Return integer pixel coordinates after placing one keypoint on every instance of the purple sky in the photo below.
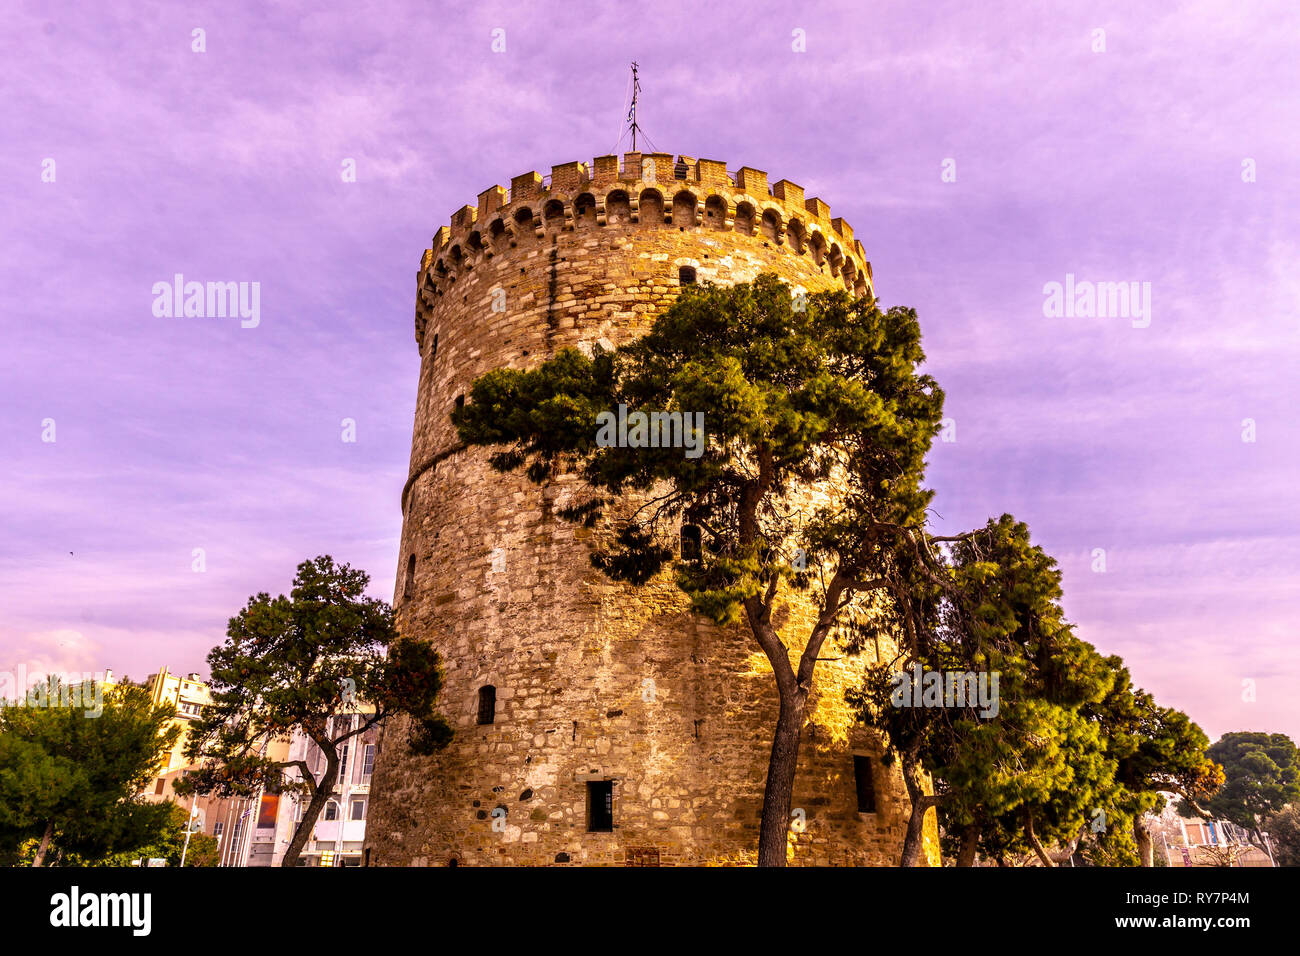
(1125, 165)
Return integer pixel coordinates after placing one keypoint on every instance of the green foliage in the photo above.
(1283, 829)
(168, 845)
(827, 396)
(788, 397)
(1262, 775)
(76, 777)
(1072, 743)
(289, 664)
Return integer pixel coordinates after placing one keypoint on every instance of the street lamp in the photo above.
(189, 826)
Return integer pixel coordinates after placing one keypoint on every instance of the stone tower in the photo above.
(598, 723)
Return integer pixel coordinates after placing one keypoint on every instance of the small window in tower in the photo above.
(487, 704)
(691, 550)
(409, 588)
(460, 402)
(866, 784)
(600, 806)
(686, 275)
(433, 349)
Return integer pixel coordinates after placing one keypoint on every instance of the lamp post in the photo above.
(189, 827)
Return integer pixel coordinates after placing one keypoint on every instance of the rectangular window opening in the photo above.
(600, 806)
(866, 784)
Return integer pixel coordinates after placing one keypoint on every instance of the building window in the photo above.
(691, 550)
(343, 763)
(866, 784)
(600, 806)
(368, 763)
(358, 809)
(331, 811)
(161, 783)
(409, 587)
(487, 704)
(218, 828)
(686, 275)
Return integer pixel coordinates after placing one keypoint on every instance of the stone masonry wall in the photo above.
(595, 680)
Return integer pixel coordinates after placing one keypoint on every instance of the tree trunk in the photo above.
(970, 841)
(320, 796)
(1145, 845)
(45, 845)
(1034, 841)
(781, 767)
(914, 841)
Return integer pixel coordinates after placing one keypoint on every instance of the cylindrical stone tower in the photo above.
(598, 723)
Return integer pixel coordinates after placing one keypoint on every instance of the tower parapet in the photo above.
(649, 190)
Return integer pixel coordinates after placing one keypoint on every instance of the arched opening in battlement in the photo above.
(584, 211)
(684, 204)
(475, 243)
(850, 273)
(618, 208)
(771, 225)
(745, 219)
(497, 233)
(817, 245)
(715, 212)
(835, 258)
(487, 705)
(553, 214)
(652, 207)
(796, 236)
(456, 258)
(523, 223)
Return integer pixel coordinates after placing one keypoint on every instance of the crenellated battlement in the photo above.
(650, 190)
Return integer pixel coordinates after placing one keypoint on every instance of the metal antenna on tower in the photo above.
(631, 113)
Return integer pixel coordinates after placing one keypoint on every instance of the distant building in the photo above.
(231, 821)
(1198, 842)
(340, 829)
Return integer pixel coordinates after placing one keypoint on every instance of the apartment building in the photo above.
(340, 830)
